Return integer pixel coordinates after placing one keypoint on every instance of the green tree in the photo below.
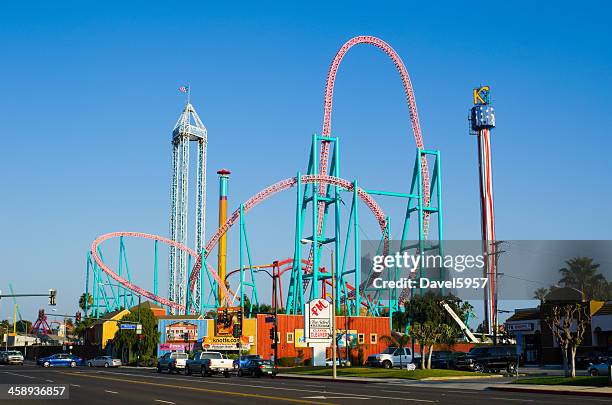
(127, 339)
(540, 293)
(81, 327)
(82, 302)
(581, 273)
(24, 326)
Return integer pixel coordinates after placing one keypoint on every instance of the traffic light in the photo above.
(52, 294)
(78, 317)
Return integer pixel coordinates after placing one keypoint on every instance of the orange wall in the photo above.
(289, 323)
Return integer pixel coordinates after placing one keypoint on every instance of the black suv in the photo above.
(489, 359)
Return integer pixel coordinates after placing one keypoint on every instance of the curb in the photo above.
(558, 392)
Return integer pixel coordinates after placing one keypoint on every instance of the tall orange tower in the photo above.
(222, 253)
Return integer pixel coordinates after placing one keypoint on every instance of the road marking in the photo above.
(49, 380)
(211, 381)
(19, 375)
(511, 399)
(75, 385)
(165, 402)
(323, 397)
(111, 392)
(240, 394)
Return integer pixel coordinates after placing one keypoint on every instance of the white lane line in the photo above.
(165, 402)
(111, 392)
(324, 397)
(511, 399)
(49, 380)
(75, 385)
(19, 375)
(211, 381)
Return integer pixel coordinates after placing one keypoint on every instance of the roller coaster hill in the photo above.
(326, 239)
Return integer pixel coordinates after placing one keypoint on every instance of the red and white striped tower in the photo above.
(482, 120)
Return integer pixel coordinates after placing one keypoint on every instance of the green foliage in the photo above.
(24, 326)
(286, 362)
(128, 338)
(581, 273)
(540, 293)
(82, 302)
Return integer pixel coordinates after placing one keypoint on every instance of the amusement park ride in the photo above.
(196, 287)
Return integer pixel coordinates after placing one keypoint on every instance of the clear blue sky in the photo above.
(89, 97)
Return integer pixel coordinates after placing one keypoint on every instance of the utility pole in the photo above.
(496, 253)
(334, 343)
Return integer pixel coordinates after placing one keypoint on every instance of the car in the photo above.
(489, 359)
(209, 363)
(243, 360)
(392, 357)
(172, 361)
(59, 360)
(583, 361)
(258, 368)
(104, 361)
(12, 357)
(445, 359)
(601, 368)
(339, 362)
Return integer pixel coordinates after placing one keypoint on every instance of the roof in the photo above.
(148, 304)
(564, 294)
(110, 316)
(606, 309)
(525, 314)
(178, 317)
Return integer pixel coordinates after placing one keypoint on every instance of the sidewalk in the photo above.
(555, 389)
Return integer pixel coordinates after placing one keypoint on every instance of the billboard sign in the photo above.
(226, 319)
(318, 321)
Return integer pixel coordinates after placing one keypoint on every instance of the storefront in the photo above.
(525, 326)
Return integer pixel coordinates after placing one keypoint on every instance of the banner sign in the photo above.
(226, 343)
(516, 327)
(318, 321)
(127, 326)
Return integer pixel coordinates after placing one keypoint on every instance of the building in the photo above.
(104, 329)
(532, 333)
(601, 325)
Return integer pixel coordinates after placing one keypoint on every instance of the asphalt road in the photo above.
(138, 386)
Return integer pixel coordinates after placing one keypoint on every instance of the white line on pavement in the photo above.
(165, 402)
(211, 381)
(49, 380)
(19, 375)
(512, 399)
(111, 392)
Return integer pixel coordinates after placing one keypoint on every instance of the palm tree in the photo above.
(398, 340)
(540, 293)
(82, 302)
(581, 274)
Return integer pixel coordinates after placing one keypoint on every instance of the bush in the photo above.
(286, 361)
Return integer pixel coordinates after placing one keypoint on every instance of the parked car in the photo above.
(209, 363)
(258, 368)
(11, 357)
(489, 359)
(339, 362)
(59, 360)
(583, 361)
(445, 359)
(602, 368)
(392, 357)
(172, 361)
(243, 360)
(104, 361)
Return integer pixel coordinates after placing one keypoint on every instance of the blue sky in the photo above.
(89, 97)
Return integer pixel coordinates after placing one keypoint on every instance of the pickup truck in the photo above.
(209, 363)
(173, 362)
(392, 357)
